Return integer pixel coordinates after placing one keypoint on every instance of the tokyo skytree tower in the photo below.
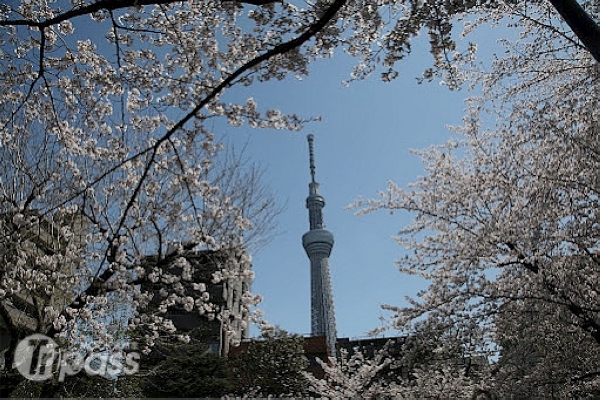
(318, 243)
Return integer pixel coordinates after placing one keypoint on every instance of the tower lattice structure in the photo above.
(318, 243)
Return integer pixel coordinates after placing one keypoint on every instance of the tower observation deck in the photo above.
(317, 243)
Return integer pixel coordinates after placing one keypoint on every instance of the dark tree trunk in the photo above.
(10, 377)
(9, 381)
(582, 24)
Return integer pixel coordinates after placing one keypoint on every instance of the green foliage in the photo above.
(272, 366)
(77, 386)
(187, 371)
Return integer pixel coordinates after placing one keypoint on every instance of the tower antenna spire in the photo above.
(311, 151)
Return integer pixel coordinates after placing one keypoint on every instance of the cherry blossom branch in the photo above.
(280, 49)
(102, 277)
(108, 5)
(277, 50)
(588, 323)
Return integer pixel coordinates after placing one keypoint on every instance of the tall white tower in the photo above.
(318, 243)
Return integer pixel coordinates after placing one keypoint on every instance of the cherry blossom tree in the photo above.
(353, 376)
(413, 366)
(52, 250)
(542, 357)
(104, 127)
(505, 222)
(108, 158)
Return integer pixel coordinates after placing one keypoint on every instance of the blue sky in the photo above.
(363, 140)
